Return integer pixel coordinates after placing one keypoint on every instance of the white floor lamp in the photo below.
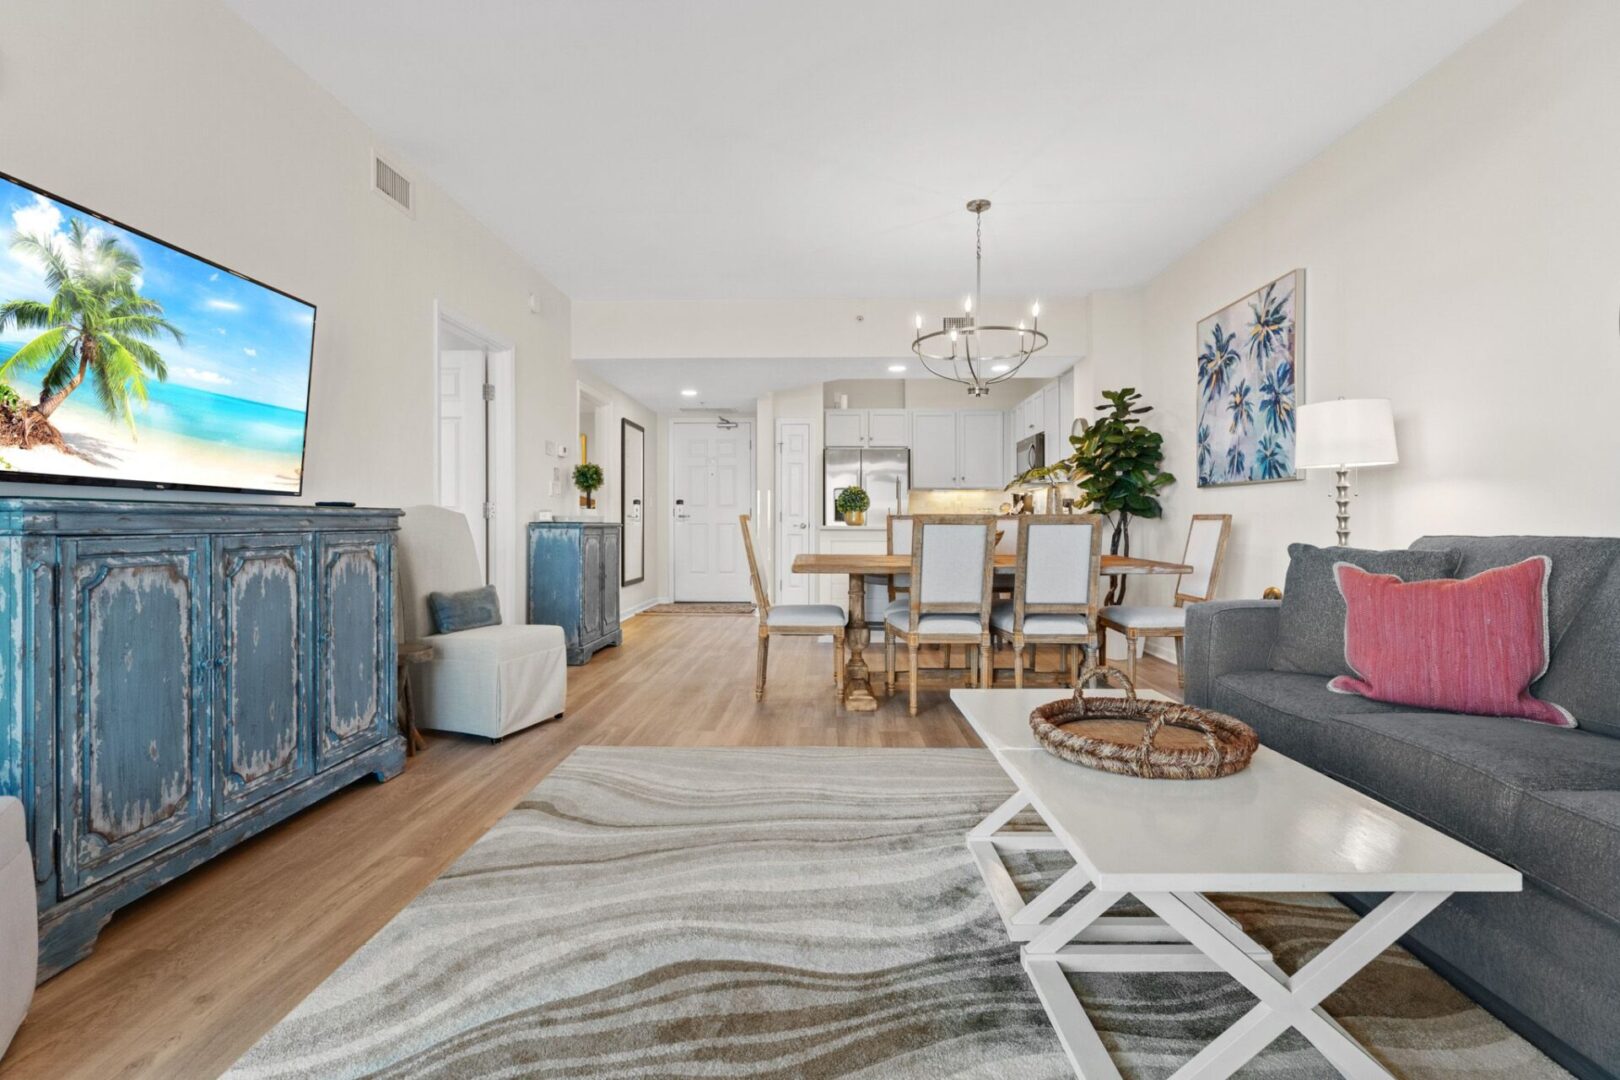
(1342, 435)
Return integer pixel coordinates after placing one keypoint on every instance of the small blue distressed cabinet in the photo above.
(574, 583)
(179, 677)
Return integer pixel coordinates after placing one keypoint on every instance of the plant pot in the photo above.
(855, 517)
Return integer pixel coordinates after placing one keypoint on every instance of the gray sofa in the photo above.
(1544, 800)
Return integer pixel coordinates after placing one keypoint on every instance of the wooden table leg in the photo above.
(857, 680)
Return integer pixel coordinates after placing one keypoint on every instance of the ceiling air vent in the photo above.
(391, 184)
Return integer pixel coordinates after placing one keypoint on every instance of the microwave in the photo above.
(1031, 453)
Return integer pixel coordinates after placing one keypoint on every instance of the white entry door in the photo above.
(712, 483)
(464, 442)
(794, 521)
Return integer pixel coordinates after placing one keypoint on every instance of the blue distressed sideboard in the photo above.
(574, 583)
(179, 677)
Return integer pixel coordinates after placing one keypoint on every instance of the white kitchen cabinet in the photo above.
(933, 448)
(1065, 412)
(980, 463)
(1050, 396)
(866, 427)
(958, 448)
(844, 427)
(888, 427)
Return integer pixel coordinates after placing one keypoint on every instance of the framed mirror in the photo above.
(633, 503)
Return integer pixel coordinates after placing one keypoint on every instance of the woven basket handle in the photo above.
(1181, 717)
(1108, 675)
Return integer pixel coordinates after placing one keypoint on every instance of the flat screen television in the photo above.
(127, 362)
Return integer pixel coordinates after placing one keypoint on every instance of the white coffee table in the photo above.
(1275, 827)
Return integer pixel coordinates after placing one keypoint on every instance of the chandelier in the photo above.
(978, 356)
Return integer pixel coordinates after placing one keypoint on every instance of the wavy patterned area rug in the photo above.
(790, 913)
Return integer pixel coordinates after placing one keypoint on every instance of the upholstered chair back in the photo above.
(952, 563)
(1206, 551)
(436, 554)
(899, 544)
(1057, 559)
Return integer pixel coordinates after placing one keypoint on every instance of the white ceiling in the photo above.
(636, 149)
(732, 384)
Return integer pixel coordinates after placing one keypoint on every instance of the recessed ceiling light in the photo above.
(999, 368)
(897, 368)
(688, 393)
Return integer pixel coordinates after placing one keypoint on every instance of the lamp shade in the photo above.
(1346, 434)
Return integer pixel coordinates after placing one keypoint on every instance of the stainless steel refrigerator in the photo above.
(883, 471)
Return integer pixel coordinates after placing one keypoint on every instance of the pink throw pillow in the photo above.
(1471, 646)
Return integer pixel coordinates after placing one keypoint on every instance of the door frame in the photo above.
(500, 448)
(669, 476)
(813, 539)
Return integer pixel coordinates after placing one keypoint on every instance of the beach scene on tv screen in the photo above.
(125, 359)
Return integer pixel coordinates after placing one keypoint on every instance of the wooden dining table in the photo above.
(858, 695)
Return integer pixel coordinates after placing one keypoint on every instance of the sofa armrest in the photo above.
(1227, 635)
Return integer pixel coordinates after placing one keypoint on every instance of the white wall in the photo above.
(206, 136)
(1462, 249)
(605, 434)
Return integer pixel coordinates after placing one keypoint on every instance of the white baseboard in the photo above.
(639, 608)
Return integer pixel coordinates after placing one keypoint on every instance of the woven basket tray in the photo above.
(1152, 739)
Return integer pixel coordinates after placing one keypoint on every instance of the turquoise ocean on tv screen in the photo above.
(191, 413)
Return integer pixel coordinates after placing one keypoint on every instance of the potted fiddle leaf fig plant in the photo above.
(1116, 465)
(852, 504)
(588, 478)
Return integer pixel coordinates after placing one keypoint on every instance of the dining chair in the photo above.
(899, 543)
(1205, 553)
(799, 620)
(952, 571)
(1055, 597)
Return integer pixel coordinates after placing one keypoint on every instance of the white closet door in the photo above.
(464, 442)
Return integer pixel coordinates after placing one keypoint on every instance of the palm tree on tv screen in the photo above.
(96, 324)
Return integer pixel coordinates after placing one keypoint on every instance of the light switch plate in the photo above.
(551, 448)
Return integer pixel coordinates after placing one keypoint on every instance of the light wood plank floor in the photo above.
(185, 980)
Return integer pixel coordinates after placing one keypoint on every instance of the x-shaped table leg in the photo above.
(1289, 1002)
(1024, 920)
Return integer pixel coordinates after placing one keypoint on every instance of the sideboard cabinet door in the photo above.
(134, 718)
(263, 659)
(592, 567)
(355, 644)
(610, 580)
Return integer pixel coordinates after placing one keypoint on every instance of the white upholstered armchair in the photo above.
(19, 921)
(490, 680)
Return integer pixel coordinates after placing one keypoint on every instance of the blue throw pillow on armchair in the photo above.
(465, 610)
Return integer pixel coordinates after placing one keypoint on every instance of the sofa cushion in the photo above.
(1487, 780)
(1573, 837)
(1310, 623)
(1286, 709)
(1583, 615)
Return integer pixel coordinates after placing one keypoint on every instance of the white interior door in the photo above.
(464, 442)
(712, 484)
(795, 524)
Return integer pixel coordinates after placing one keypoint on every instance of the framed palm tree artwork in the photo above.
(1250, 357)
